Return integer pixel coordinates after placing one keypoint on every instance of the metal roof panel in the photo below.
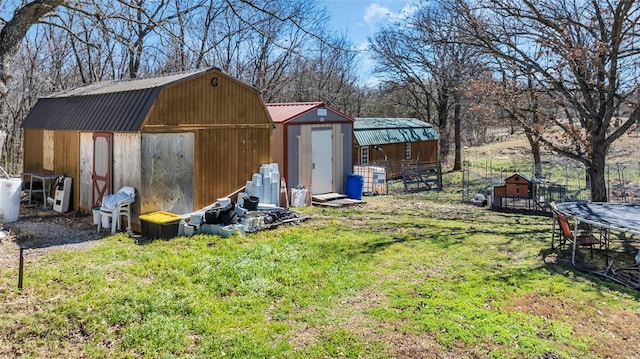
(379, 131)
(283, 112)
(110, 112)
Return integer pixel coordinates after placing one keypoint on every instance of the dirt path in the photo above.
(40, 231)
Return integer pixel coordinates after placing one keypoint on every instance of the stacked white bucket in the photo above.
(265, 185)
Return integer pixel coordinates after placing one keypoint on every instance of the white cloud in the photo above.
(375, 13)
(407, 11)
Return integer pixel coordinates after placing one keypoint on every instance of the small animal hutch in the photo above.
(517, 192)
(182, 140)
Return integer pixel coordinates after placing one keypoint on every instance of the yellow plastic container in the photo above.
(160, 224)
(160, 217)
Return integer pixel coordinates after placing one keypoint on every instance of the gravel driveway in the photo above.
(40, 231)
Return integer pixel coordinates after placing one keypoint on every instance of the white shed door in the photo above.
(322, 157)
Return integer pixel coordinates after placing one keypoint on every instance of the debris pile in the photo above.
(257, 209)
(226, 218)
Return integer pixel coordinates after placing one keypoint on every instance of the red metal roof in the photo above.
(283, 112)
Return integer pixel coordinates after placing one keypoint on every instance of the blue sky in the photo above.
(359, 19)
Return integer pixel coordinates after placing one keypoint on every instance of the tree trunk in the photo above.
(443, 120)
(457, 163)
(596, 173)
(15, 30)
(535, 151)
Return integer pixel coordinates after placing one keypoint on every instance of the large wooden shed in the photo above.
(312, 145)
(182, 140)
(390, 142)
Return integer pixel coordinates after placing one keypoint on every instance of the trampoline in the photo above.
(623, 218)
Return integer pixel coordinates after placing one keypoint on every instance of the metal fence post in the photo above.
(21, 268)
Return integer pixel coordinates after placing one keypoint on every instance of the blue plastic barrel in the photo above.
(355, 184)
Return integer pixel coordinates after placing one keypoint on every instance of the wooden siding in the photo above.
(225, 159)
(67, 149)
(515, 187)
(33, 147)
(67, 160)
(66, 154)
(338, 157)
(48, 150)
(196, 104)
(278, 149)
(425, 151)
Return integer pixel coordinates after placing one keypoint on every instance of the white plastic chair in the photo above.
(123, 199)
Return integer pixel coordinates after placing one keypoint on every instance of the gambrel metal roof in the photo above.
(111, 106)
(381, 131)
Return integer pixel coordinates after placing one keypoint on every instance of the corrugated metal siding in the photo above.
(388, 136)
(111, 112)
(389, 122)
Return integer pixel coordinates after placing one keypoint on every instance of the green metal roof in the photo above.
(380, 131)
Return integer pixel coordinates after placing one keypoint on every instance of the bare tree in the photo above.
(326, 72)
(583, 54)
(15, 29)
(81, 42)
(507, 94)
(422, 53)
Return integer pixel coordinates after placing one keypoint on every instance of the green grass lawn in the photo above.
(404, 276)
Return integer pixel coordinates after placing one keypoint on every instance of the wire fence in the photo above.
(553, 181)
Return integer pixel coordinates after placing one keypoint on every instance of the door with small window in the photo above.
(101, 173)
